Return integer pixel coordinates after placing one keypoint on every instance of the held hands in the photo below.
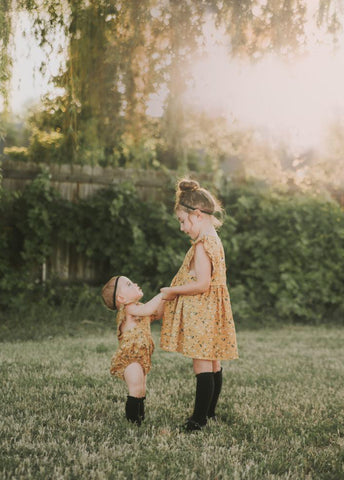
(168, 293)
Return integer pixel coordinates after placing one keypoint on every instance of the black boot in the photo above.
(204, 395)
(217, 391)
(142, 408)
(132, 409)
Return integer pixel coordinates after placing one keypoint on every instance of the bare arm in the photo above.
(203, 276)
(160, 311)
(149, 308)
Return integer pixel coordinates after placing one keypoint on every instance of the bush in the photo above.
(284, 253)
(16, 153)
(26, 232)
(115, 229)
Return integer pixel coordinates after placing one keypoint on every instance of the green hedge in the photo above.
(284, 252)
(285, 256)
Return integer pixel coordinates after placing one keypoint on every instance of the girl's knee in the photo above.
(202, 366)
(216, 366)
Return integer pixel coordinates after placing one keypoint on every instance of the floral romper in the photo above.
(201, 326)
(135, 345)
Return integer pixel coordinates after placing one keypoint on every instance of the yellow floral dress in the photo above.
(135, 345)
(201, 326)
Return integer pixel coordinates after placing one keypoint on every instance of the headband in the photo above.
(114, 293)
(195, 208)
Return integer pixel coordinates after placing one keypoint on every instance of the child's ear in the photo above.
(120, 299)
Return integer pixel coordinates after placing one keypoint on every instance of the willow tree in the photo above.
(120, 52)
(90, 102)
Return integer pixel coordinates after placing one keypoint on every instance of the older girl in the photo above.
(198, 320)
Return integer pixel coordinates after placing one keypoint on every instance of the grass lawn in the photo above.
(281, 411)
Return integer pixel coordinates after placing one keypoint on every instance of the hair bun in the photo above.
(188, 185)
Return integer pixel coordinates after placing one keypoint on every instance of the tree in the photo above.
(120, 52)
(5, 61)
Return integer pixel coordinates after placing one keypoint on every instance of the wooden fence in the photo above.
(76, 182)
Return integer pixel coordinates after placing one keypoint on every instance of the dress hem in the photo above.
(198, 358)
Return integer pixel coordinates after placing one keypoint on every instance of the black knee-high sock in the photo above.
(132, 409)
(217, 391)
(142, 408)
(204, 394)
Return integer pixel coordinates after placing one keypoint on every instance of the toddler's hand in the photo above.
(167, 293)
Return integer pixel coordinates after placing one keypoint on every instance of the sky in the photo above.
(293, 101)
(28, 83)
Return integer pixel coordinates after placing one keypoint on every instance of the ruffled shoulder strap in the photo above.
(211, 245)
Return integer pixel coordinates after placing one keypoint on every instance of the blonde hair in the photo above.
(108, 299)
(191, 196)
(107, 293)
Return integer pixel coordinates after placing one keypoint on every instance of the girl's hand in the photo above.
(168, 293)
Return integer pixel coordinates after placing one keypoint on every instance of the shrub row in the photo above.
(284, 252)
(285, 256)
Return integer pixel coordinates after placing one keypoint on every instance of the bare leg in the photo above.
(202, 366)
(135, 379)
(216, 366)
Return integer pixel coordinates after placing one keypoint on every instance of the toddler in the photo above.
(132, 361)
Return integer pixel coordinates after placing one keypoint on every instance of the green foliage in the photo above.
(284, 255)
(284, 252)
(124, 235)
(54, 310)
(5, 59)
(114, 228)
(16, 153)
(45, 147)
(26, 228)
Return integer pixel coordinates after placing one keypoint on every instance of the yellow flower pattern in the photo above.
(201, 326)
(135, 345)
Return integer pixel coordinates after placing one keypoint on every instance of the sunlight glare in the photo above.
(291, 100)
(28, 84)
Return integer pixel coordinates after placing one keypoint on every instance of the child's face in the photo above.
(189, 223)
(127, 291)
